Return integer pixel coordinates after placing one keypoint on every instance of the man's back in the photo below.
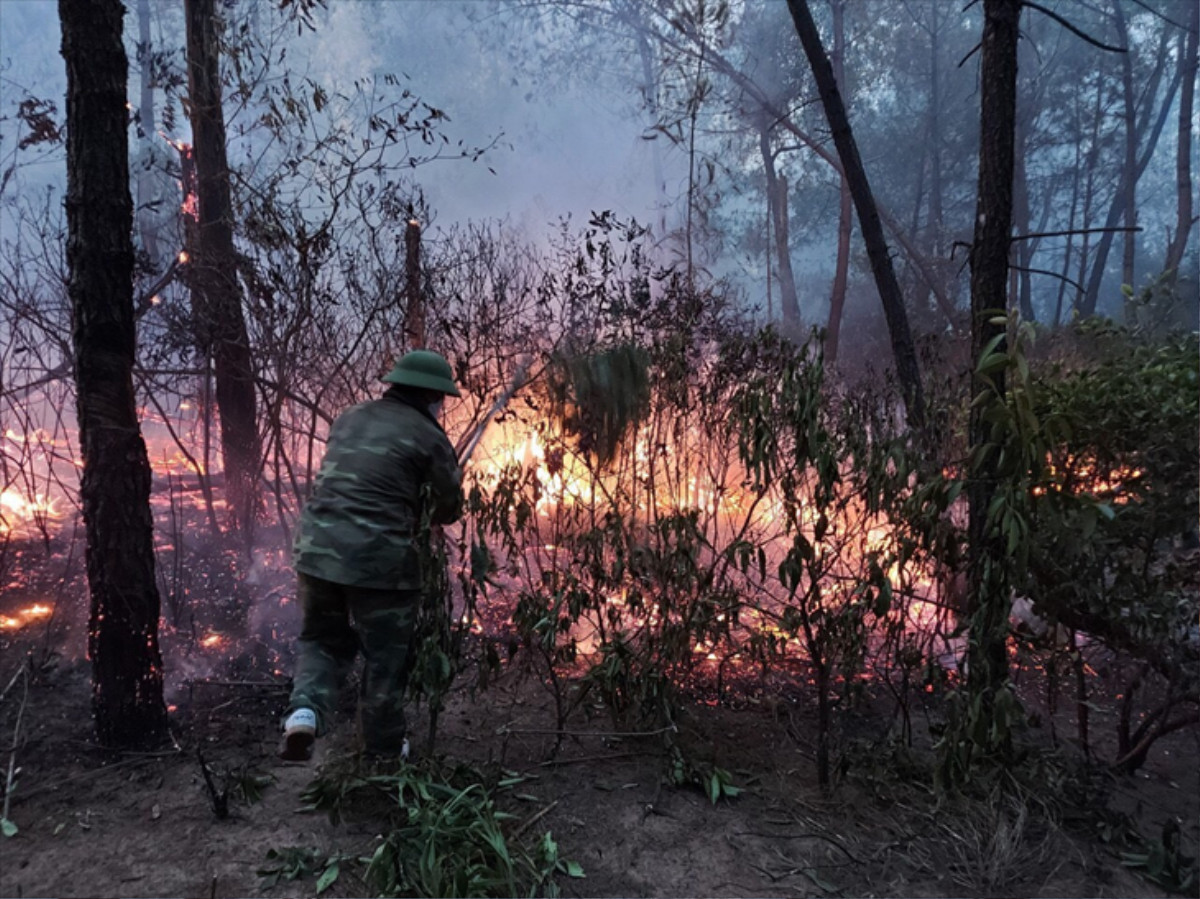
(358, 526)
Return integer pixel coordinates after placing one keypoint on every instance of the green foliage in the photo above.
(837, 477)
(600, 395)
(1092, 467)
(1162, 861)
(1119, 492)
(300, 862)
(1004, 462)
(443, 834)
(250, 784)
(716, 783)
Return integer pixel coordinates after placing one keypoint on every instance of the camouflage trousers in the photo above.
(339, 621)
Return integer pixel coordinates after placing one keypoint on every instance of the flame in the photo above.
(1083, 475)
(19, 514)
(179, 145)
(25, 616)
(211, 641)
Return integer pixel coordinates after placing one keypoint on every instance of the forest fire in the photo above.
(749, 516)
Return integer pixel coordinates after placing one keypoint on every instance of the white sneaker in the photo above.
(299, 734)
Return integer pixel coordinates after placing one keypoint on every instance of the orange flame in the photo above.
(25, 616)
(19, 514)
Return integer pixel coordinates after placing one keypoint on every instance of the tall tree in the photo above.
(1142, 130)
(903, 350)
(841, 271)
(777, 213)
(127, 684)
(1128, 183)
(989, 605)
(218, 305)
(1183, 159)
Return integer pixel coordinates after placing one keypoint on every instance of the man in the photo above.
(388, 470)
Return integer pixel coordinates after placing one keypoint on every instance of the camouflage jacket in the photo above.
(359, 526)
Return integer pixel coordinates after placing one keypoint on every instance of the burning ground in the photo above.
(630, 803)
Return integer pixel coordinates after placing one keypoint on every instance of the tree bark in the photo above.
(903, 350)
(841, 272)
(1128, 181)
(789, 303)
(220, 321)
(127, 683)
(1183, 158)
(987, 660)
(414, 312)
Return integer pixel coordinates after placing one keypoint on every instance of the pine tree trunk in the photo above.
(1183, 158)
(987, 660)
(903, 350)
(221, 323)
(127, 686)
(1128, 182)
(841, 271)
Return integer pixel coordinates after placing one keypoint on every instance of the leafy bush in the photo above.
(442, 835)
(1118, 567)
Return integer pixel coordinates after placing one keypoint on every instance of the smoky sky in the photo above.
(557, 145)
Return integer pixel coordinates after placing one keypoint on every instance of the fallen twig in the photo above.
(505, 730)
(22, 667)
(279, 685)
(37, 791)
(534, 819)
(800, 836)
(219, 799)
(12, 756)
(555, 763)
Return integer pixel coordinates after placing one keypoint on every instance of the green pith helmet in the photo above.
(425, 369)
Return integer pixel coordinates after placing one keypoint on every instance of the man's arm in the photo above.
(445, 483)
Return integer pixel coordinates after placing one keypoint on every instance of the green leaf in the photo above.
(573, 869)
(9, 828)
(328, 876)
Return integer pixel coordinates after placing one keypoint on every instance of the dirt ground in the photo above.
(95, 823)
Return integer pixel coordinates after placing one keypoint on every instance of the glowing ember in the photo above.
(212, 640)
